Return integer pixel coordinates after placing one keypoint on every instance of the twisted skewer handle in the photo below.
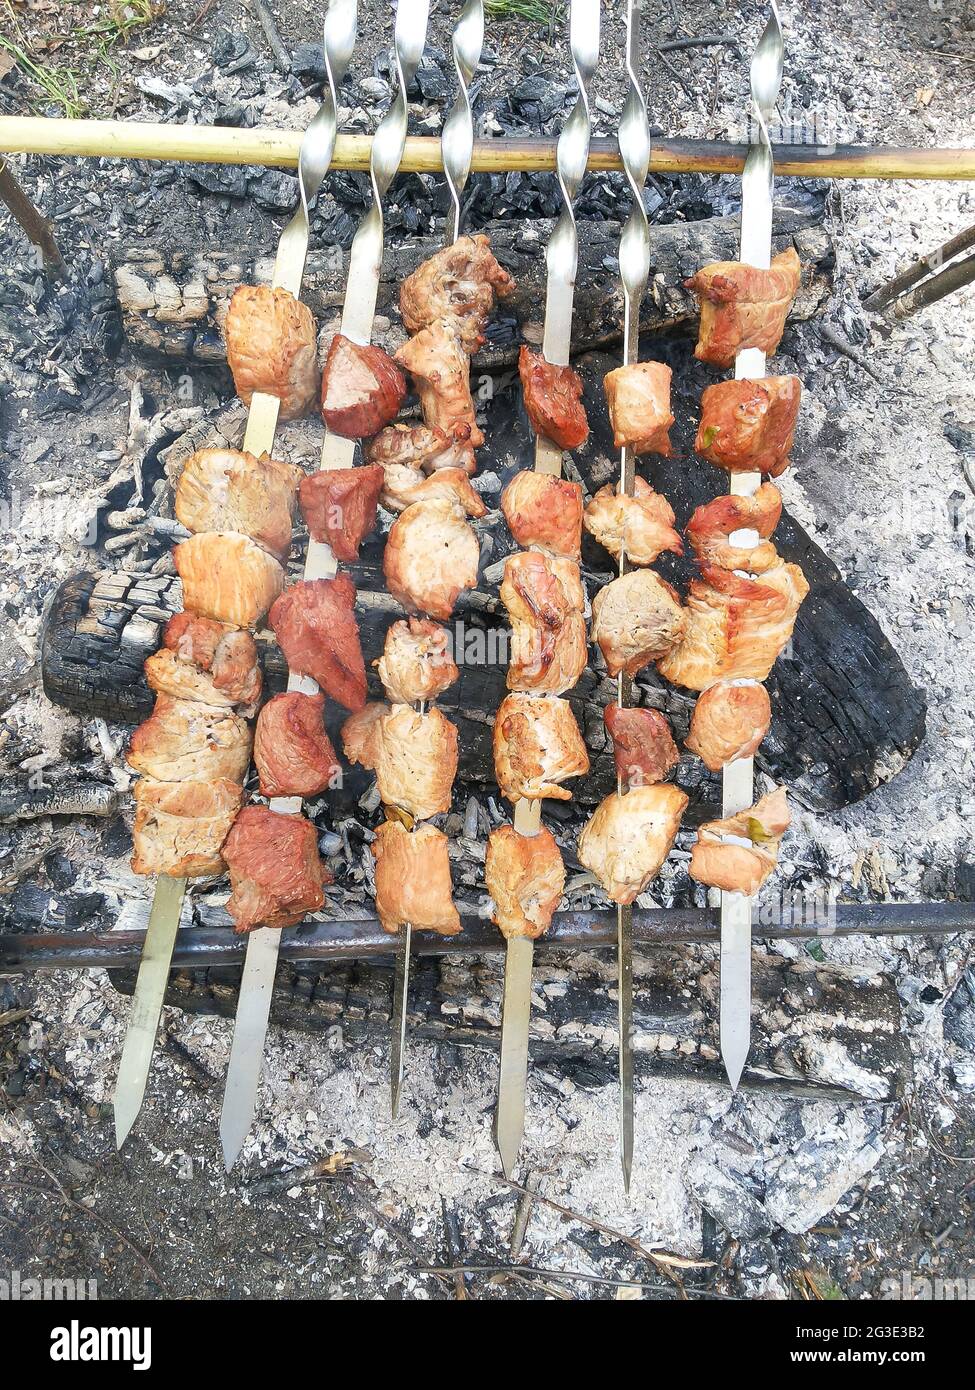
(634, 143)
(457, 141)
(758, 176)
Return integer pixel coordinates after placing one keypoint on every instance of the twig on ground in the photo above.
(920, 270)
(837, 341)
(36, 228)
(335, 1165)
(956, 277)
(281, 55)
(455, 1245)
(704, 41)
(520, 1271)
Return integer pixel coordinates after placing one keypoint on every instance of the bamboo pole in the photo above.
(279, 149)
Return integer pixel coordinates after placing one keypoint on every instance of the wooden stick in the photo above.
(908, 278)
(36, 228)
(930, 291)
(279, 148)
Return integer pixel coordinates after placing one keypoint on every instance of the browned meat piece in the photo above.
(553, 400)
(735, 628)
(180, 826)
(362, 389)
(460, 283)
(413, 755)
(642, 525)
(272, 348)
(525, 876)
(638, 397)
(292, 751)
(545, 511)
(413, 879)
(441, 371)
(339, 507)
(418, 446)
(537, 745)
(710, 528)
(183, 741)
(431, 555)
(225, 490)
(228, 577)
(206, 661)
(643, 746)
(276, 873)
(403, 485)
(737, 867)
(636, 619)
(416, 663)
(544, 598)
(729, 722)
(748, 426)
(628, 837)
(314, 622)
(743, 307)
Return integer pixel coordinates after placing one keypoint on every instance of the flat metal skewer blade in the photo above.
(150, 990)
(736, 983)
(515, 1018)
(401, 990)
(247, 1048)
(624, 955)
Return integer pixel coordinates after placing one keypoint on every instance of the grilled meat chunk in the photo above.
(226, 490)
(641, 526)
(413, 879)
(404, 485)
(180, 826)
(525, 876)
(292, 752)
(441, 371)
(537, 745)
(740, 852)
(362, 389)
(735, 628)
(419, 446)
(636, 619)
(431, 555)
(460, 283)
(628, 837)
(183, 741)
(276, 873)
(360, 733)
(228, 577)
(544, 511)
(314, 622)
(544, 598)
(206, 661)
(553, 400)
(748, 426)
(710, 529)
(416, 663)
(643, 747)
(272, 348)
(413, 755)
(728, 723)
(743, 307)
(638, 397)
(339, 507)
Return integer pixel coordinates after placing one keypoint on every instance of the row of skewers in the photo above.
(194, 751)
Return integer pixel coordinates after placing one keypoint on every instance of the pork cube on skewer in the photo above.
(413, 879)
(227, 490)
(413, 755)
(339, 507)
(362, 389)
(423, 447)
(276, 873)
(441, 371)
(537, 746)
(748, 426)
(743, 307)
(431, 555)
(404, 485)
(314, 622)
(206, 661)
(416, 663)
(228, 577)
(183, 741)
(628, 837)
(729, 722)
(544, 598)
(525, 877)
(711, 526)
(180, 826)
(292, 752)
(553, 400)
(642, 524)
(644, 750)
(272, 348)
(638, 396)
(636, 619)
(544, 511)
(459, 283)
(740, 852)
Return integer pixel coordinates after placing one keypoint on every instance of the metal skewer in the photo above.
(562, 255)
(314, 158)
(738, 781)
(457, 145)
